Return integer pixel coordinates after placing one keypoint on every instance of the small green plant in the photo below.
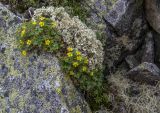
(90, 81)
(40, 34)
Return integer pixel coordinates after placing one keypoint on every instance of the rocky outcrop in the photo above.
(34, 83)
(124, 14)
(126, 28)
(145, 73)
(7, 19)
(152, 9)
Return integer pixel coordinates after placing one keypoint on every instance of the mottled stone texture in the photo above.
(33, 84)
(124, 14)
(146, 73)
(152, 8)
(128, 26)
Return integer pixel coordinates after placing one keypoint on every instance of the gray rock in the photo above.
(157, 48)
(145, 73)
(7, 18)
(124, 14)
(152, 10)
(148, 53)
(127, 20)
(33, 84)
(131, 61)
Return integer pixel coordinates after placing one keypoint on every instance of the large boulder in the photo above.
(152, 10)
(145, 73)
(33, 84)
(126, 27)
(124, 14)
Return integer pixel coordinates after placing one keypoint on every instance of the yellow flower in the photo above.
(21, 42)
(42, 18)
(69, 49)
(69, 54)
(78, 52)
(24, 53)
(54, 24)
(79, 58)
(71, 73)
(84, 68)
(29, 42)
(34, 22)
(41, 24)
(23, 32)
(75, 64)
(47, 42)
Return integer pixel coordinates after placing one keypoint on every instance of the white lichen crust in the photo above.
(76, 34)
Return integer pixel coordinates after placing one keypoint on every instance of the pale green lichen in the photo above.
(76, 34)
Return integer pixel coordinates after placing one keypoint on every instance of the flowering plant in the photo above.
(40, 34)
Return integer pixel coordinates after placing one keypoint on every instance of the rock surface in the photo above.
(145, 73)
(152, 9)
(127, 20)
(148, 54)
(124, 14)
(33, 84)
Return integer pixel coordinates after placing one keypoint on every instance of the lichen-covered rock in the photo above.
(7, 19)
(76, 34)
(100, 8)
(145, 73)
(124, 14)
(33, 84)
(131, 61)
(152, 10)
(126, 27)
(148, 53)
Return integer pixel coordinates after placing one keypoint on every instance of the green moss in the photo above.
(74, 7)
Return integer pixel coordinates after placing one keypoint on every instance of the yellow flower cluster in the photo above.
(41, 24)
(78, 61)
(29, 42)
(24, 53)
(47, 42)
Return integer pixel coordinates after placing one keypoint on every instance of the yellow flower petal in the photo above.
(47, 42)
(69, 54)
(41, 24)
(69, 49)
(78, 52)
(29, 42)
(75, 64)
(79, 58)
(24, 53)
